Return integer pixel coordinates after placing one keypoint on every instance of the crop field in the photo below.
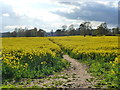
(30, 58)
(38, 57)
(100, 53)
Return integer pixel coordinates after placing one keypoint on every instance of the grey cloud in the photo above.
(91, 11)
(66, 3)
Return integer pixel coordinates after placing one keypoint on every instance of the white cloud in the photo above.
(23, 3)
(38, 13)
(109, 3)
(6, 15)
(95, 23)
(12, 27)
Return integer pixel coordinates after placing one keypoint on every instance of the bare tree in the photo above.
(64, 27)
(102, 29)
(85, 28)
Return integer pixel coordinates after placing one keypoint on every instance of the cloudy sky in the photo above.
(52, 14)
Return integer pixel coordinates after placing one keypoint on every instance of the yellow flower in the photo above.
(113, 72)
(113, 64)
(117, 60)
(43, 62)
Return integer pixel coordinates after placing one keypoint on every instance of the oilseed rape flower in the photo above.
(99, 52)
(21, 55)
(29, 55)
(117, 60)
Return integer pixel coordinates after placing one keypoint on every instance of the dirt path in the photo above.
(74, 77)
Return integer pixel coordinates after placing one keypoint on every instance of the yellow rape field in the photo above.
(31, 57)
(79, 44)
(36, 44)
(99, 52)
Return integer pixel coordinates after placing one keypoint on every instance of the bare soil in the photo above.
(76, 76)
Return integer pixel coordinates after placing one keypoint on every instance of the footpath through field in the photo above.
(75, 76)
(81, 76)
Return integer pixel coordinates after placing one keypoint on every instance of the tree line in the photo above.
(84, 28)
(19, 32)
